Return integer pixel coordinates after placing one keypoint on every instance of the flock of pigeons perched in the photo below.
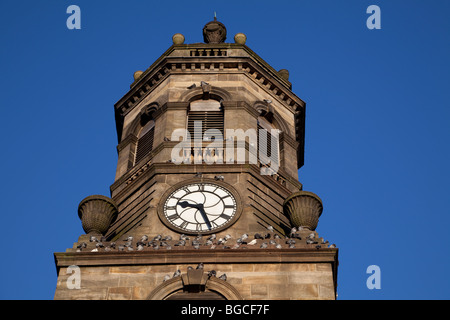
(268, 239)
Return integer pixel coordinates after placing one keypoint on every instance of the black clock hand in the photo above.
(200, 208)
(185, 204)
(204, 215)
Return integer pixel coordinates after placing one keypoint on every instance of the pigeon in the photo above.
(310, 241)
(291, 246)
(94, 250)
(166, 277)
(217, 178)
(258, 236)
(99, 245)
(267, 101)
(212, 273)
(82, 245)
(253, 242)
(189, 268)
(121, 248)
(276, 236)
(318, 246)
(212, 237)
(129, 239)
(290, 241)
(157, 238)
(130, 248)
(244, 236)
(166, 139)
(167, 238)
(144, 238)
(332, 246)
(199, 237)
(107, 249)
(192, 86)
(140, 247)
(177, 274)
(270, 228)
(213, 246)
(140, 243)
(278, 246)
(272, 242)
(200, 266)
(311, 236)
(208, 243)
(263, 245)
(164, 244)
(156, 247)
(196, 246)
(203, 83)
(184, 237)
(223, 277)
(128, 244)
(293, 231)
(181, 243)
(221, 241)
(93, 239)
(296, 236)
(112, 245)
(236, 246)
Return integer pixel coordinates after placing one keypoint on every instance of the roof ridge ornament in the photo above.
(214, 32)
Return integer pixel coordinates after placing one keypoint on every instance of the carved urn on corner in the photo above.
(97, 213)
(303, 209)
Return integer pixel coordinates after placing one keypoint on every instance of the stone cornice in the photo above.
(190, 255)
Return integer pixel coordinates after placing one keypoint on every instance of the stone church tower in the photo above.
(206, 202)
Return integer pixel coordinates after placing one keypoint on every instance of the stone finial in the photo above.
(97, 213)
(178, 38)
(303, 209)
(137, 75)
(284, 74)
(240, 38)
(214, 32)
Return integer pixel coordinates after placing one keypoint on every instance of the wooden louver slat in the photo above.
(145, 144)
(210, 120)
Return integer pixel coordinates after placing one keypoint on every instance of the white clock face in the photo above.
(200, 208)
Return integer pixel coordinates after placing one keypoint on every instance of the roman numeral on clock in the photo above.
(172, 217)
(224, 216)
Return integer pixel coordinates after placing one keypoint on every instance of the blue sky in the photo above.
(377, 124)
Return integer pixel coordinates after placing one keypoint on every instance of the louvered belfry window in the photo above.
(209, 113)
(145, 141)
(265, 138)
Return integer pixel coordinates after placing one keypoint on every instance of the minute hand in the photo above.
(204, 215)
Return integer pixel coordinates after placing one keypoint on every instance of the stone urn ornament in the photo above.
(303, 209)
(214, 32)
(97, 213)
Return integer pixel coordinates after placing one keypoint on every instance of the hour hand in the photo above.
(185, 204)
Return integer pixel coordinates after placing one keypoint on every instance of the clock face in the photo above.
(200, 208)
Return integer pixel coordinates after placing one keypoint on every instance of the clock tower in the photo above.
(206, 202)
